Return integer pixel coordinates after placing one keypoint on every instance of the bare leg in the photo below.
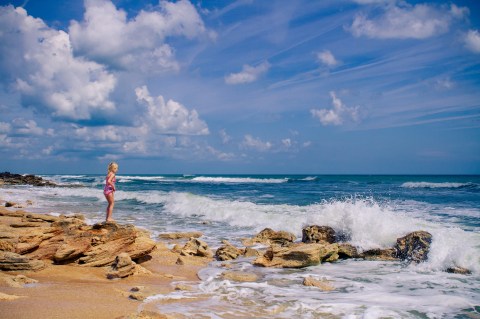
(111, 202)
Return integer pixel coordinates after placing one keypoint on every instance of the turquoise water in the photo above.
(369, 211)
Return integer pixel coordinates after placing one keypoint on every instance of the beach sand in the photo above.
(70, 291)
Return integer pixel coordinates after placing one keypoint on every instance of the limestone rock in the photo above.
(458, 270)
(269, 236)
(414, 246)
(122, 267)
(318, 234)
(250, 252)
(298, 255)
(196, 247)
(228, 252)
(321, 284)
(180, 235)
(17, 281)
(240, 276)
(17, 179)
(8, 297)
(12, 261)
(388, 254)
(346, 251)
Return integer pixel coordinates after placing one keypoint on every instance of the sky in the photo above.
(240, 87)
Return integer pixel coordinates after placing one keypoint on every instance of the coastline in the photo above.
(72, 291)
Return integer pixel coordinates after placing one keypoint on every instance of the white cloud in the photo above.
(444, 83)
(224, 136)
(459, 12)
(418, 22)
(219, 154)
(40, 62)
(170, 117)
(26, 127)
(250, 142)
(5, 127)
(338, 114)
(472, 41)
(326, 57)
(107, 36)
(287, 142)
(248, 74)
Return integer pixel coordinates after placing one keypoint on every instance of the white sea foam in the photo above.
(127, 178)
(309, 178)
(434, 185)
(238, 180)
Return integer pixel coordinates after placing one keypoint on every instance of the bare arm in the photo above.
(110, 178)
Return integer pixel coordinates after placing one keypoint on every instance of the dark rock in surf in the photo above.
(318, 234)
(414, 247)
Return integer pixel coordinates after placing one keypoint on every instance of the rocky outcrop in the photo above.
(180, 235)
(66, 240)
(268, 236)
(458, 270)
(196, 247)
(228, 252)
(318, 234)
(18, 281)
(414, 247)
(17, 179)
(321, 284)
(11, 262)
(298, 255)
(388, 254)
(122, 267)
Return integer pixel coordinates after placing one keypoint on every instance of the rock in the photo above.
(10, 204)
(318, 234)
(298, 255)
(7, 297)
(137, 288)
(196, 247)
(140, 296)
(322, 284)
(177, 248)
(180, 261)
(228, 252)
(240, 276)
(269, 236)
(11, 261)
(183, 287)
(414, 246)
(180, 235)
(122, 267)
(388, 254)
(458, 270)
(16, 281)
(346, 251)
(250, 252)
(17, 179)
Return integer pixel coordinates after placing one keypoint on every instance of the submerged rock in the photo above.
(458, 270)
(388, 254)
(240, 276)
(324, 285)
(414, 246)
(298, 255)
(318, 234)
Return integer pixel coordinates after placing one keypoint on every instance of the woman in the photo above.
(109, 189)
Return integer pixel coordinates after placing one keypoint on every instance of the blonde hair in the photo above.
(112, 166)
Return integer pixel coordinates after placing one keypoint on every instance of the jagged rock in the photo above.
(181, 235)
(68, 239)
(298, 255)
(318, 234)
(388, 254)
(17, 179)
(346, 251)
(250, 252)
(322, 284)
(122, 267)
(240, 276)
(228, 252)
(17, 281)
(414, 246)
(196, 247)
(458, 270)
(12, 261)
(268, 236)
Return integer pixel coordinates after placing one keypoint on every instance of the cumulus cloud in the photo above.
(250, 142)
(326, 57)
(40, 63)
(107, 36)
(417, 22)
(224, 136)
(472, 41)
(248, 74)
(338, 114)
(287, 142)
(27, 127)
(5, 127)
(170, 117)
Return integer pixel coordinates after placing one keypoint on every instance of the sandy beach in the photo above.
(72, 291)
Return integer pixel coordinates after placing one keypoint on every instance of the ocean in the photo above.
(371, 211)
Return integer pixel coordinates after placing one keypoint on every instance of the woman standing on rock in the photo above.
(109, 189)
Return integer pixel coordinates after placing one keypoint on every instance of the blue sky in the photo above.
(247, 86)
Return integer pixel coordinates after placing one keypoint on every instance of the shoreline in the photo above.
(74, 291)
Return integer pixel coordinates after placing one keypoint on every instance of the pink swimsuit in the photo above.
(108, 189)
